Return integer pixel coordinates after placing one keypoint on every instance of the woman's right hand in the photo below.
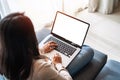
(57, 59)
(49, 46)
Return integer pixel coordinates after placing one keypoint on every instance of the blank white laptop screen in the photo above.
(70, 28)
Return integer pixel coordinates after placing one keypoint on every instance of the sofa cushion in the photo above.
(111, 71)
(2, 77)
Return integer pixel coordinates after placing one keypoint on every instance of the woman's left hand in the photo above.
(49, 46)
(57, 59)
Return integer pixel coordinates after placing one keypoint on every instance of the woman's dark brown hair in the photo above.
(19, 46)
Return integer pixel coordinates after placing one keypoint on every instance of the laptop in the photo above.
(69, 33)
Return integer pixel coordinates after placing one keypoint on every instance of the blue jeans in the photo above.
(83, 58)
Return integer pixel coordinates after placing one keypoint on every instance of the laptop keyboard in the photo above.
(63, 47)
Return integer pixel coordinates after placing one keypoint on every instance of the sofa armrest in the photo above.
(41, 34)
(111, 71)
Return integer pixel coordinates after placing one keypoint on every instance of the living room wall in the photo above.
(41, 12)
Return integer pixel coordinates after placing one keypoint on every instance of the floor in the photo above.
(103, 33)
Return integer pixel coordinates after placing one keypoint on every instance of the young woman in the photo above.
(21, 58)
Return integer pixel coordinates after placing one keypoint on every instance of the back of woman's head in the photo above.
(19, 45)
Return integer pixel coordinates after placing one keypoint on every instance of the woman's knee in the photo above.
(82, 59)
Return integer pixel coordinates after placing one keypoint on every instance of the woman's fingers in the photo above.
(52, 44)
(49, 46)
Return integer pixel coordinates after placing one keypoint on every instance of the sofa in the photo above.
(94, 64)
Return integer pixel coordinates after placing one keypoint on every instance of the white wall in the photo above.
(40, 11)
(43, 11)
